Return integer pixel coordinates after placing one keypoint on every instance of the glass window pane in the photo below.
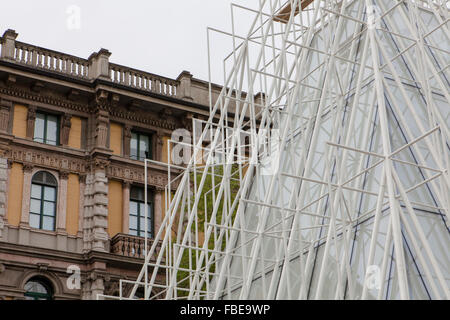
(48, 223)
(50, 193)
(149, 226)
(35, 206)
(143, 146)
(35, 287)
(35, 221)
(134, 146)
(52, 130)
(133, 222)
(49, 208)
(142, 226)
(133, 208)
(36, 191)
(133, 232)
(39, 127)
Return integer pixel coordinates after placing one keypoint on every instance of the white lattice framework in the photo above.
(334, 184)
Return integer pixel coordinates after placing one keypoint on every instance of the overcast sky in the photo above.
(163, 37)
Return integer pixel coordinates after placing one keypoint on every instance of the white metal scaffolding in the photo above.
(323, 169)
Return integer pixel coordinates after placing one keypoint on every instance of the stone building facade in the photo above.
(73, 135)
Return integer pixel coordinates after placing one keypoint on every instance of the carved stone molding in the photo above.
(64, 175)
(136, 175)
(82, 178)
(127, 184)
(48, 159)
(66, 124)
(27, 167)
(100, 164)
(139, 117)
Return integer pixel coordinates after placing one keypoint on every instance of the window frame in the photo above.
(37, 295)
(139, 230)
(58, 129)
(149, 147)
(42, 201)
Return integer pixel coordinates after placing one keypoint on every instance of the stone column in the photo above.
(126, 140)
(9, 44)
(3, 192)
(62, 202)
(126, 207)
(24, 231)
(31, 119)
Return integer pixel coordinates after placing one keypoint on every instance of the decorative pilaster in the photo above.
(159, 145)
(101, 120)
(82, 180)
(3, 192)
(24, 230)
(31, 119)
(126, 140)
(96, 207)
(5, 109)
(61, 217)
(62, 202)
(66, 124)
(27, 175)
(126, 206)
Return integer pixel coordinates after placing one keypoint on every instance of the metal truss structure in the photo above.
(334, 183)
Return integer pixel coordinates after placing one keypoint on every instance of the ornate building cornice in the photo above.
(28, 95)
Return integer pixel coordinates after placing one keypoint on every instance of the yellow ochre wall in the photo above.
(115, 205)
(164, 155)
(115, 138)
(15, 194)
(19, 128)
(73, 199)
(75, 133)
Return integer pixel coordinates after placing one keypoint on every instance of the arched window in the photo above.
(38, 289)
(43, 201)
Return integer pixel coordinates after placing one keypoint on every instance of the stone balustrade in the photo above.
(143, 80)
(131, 246)
(97, 66)
(41, 58)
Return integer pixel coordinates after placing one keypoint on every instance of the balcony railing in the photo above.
(131, 246)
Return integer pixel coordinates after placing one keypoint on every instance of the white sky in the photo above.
(163, 37)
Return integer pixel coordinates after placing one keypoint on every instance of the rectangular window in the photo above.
(46, 129)
(137, 212)
(140, 146)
